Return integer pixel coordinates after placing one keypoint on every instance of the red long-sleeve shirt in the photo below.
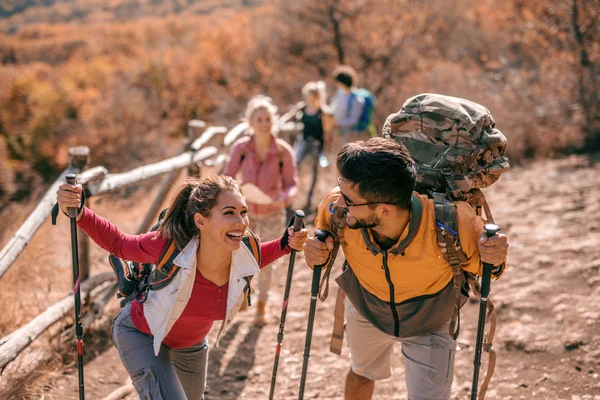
(207, 303)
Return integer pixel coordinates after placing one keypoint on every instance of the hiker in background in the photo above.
(267, 162)
(162, 341)
(398, 286)
(315, 134)
(353, 107)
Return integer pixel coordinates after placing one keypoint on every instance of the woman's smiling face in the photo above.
(227, 221)
(261, 122)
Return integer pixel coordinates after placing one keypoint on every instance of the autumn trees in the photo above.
(124, 78)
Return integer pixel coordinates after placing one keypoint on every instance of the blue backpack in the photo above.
(364, 122)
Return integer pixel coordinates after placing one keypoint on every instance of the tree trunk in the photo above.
(587, 86)
(337, 33)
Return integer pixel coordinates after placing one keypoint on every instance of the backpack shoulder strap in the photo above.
(449, 242)
(281, 150)
(244, 142)
(166, 269)
(447, 236)
(251, 242)
(337, 222)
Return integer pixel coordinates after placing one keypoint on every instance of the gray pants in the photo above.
(173, 374)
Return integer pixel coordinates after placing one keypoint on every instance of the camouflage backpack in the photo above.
(454, 142)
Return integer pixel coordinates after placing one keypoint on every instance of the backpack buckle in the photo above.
(142, 290)
(446, 171)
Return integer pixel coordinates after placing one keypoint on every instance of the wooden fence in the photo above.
(202, 147)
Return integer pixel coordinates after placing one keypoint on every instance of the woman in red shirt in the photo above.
(162, 342)
(264, 160)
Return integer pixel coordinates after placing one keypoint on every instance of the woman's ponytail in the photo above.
(177, 225)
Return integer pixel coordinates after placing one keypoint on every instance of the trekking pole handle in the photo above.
(298, 220)
(72, 180)
(321, 234)
(490, 230)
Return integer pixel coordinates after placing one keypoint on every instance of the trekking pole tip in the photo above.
(491, 229)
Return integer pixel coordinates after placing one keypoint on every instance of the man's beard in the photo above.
(370, 222)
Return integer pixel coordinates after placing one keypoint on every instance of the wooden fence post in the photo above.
(80, 158)
(194, 129)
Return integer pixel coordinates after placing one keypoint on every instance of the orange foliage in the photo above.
(124, 76)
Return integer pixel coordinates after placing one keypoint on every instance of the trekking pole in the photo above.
(314, 292)
(490, 230)
(298, 219)
(72, 211)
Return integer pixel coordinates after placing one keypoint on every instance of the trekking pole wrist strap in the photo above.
(56, 208)
(497, 270)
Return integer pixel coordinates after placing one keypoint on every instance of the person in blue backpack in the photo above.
(353, 106)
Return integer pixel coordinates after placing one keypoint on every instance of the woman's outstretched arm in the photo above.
(145, 248)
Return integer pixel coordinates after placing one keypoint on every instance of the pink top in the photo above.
(208, 302)
(269, 176)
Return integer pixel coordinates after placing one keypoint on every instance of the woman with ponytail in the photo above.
(162, 341)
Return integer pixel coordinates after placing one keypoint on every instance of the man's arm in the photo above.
(476, 245)
(315, 251)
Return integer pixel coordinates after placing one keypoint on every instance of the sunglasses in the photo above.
(350, 203)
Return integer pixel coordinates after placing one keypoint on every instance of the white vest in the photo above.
(163, 307)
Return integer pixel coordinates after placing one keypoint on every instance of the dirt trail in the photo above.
(547, 340)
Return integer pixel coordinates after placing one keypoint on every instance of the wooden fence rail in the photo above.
(17, 244)
(16, 342)
(114, 181)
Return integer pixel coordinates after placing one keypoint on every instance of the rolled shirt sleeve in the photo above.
(235, 155)
(470, 226)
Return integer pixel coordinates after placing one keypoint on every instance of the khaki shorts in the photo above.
(428, 359)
